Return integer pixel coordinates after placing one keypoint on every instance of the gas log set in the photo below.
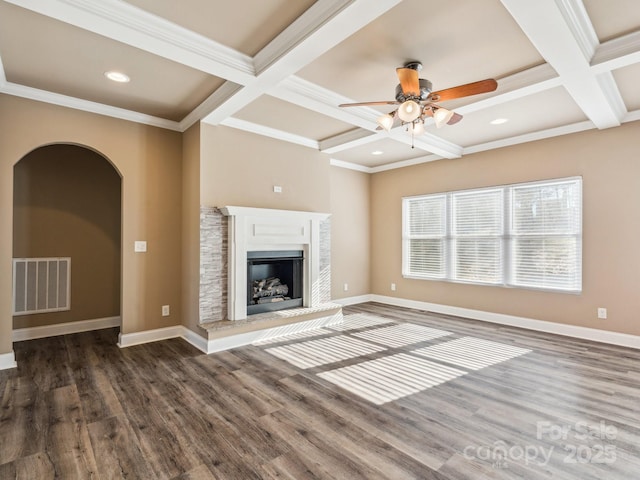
(269, 290)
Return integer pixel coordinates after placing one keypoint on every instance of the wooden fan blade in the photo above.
(455, 119)
(362, 104)
(409, 81)
(475, 88)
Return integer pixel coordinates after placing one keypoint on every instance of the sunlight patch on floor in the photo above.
(294, 336)
(314, 353)
(359, 320)
(471, 353)
(401, 335)
(385, 379)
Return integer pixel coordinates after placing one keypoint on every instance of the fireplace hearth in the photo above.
(274, 280)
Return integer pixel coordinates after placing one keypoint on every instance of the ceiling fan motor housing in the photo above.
(425, 89)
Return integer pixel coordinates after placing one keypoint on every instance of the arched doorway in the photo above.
(67, 203)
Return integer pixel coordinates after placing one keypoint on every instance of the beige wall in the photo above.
(191, 228)
(349, 232)
(608, 162)
(149, 161)
(67, 204)
(240, 168)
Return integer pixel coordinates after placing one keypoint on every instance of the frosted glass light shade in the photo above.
(416, 129)
(385, 121)
(441, 116)
(409, 111)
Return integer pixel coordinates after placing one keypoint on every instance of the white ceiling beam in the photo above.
(308, 95)
(128, 24)
(344, 141)
(617, 53)
(562, 32)
(325, 24)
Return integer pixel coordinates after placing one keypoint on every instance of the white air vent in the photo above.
(41, 285)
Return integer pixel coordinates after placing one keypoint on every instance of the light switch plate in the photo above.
(140, 246)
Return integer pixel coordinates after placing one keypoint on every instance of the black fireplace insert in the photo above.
(274, 280)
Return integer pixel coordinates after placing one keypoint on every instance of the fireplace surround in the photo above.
(267, 230)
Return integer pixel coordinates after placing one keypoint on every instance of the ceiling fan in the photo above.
(417, 100)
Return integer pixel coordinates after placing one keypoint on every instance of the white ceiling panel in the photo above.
(613, 18)
(457, 42)
(549, 109)
(392, 151)
(627, 81)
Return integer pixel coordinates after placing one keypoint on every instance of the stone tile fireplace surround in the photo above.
(227, 234)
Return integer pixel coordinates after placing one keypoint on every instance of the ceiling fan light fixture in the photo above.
(441, 116)
(385, 121)
(409, 111)
(416, 128)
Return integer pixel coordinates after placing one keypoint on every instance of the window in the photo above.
(524, 235)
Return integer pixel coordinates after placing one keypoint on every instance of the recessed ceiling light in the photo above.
(117, 76)
(499, 121)
(377, 152)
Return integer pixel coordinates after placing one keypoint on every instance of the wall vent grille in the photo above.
(41, 285)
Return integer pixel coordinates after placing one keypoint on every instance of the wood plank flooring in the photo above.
(375, 398)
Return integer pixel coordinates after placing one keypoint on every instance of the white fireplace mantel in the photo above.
(254, 229)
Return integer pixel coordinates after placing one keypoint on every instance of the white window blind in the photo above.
(425, 234)
(523, 235)
(546, 235)
(477, 230)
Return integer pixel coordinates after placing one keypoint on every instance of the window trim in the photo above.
(507, 243)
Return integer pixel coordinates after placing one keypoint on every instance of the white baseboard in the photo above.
(31, 333)
(148, 336)
(242, 339)
(8, 360)
(224, 343)
(194, 339)
(585, 333)
(353, 300)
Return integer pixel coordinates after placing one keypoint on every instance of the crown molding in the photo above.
(578, 21)
(406, 163)
(350, 166)
(87, 106)
(269, 132)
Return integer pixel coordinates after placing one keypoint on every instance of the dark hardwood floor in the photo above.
(377, 398)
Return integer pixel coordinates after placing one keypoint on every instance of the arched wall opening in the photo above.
(67, 203)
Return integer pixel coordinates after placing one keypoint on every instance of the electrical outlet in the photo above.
(393, 287)
(277, 189)
(140, 246)
(166, 310)
(346, 287)
(602, 313)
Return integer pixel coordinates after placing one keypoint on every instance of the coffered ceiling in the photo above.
(281, 68)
